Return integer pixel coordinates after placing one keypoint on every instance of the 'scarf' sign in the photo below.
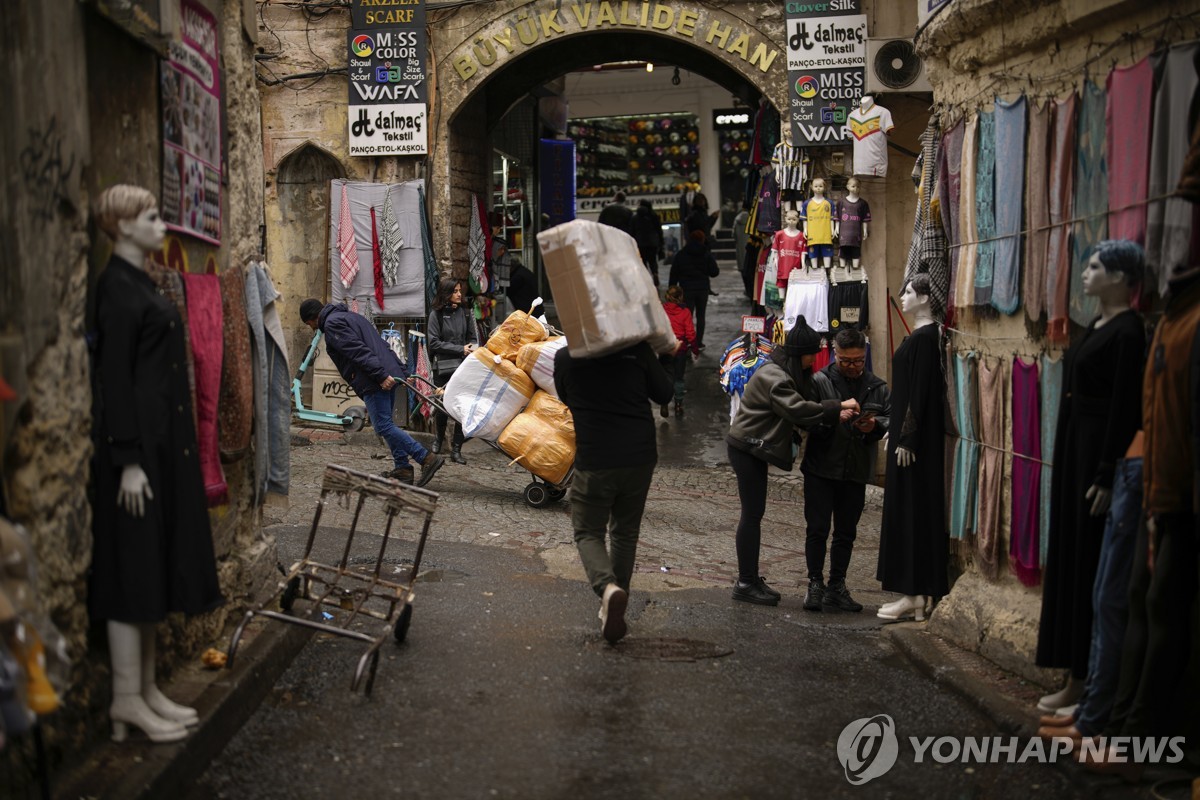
(386, 53)
(827, 57)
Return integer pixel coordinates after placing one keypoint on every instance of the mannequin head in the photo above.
(1116, 263)
(818, 187)
(791, 219)
(129, 215)
(914, 299)
(866, 102)
(449, 294)
(852, 186)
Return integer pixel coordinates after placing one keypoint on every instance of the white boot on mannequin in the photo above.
(159, 703)
(128, 707)
(1068, 695)
(909, 604)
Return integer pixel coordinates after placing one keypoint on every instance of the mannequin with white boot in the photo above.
(913, 541)
(152, 544)
(1098, 418)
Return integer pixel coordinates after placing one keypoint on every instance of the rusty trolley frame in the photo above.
(363, 594)
(538, 493)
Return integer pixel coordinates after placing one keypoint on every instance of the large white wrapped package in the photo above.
(485, 393)
(605, 297)
(536, 359)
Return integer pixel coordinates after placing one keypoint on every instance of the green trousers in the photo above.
(609, 502)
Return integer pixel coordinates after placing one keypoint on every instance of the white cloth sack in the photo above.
(485, 393)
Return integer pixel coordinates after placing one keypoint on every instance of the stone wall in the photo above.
(976, 50)
(90, 122)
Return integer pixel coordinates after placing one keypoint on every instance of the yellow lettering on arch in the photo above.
(605, 14)
(740, 46)
(761, 58)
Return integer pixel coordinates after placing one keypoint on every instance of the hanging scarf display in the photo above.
(390, 242)
(376, 261)
(1058, 252)
(235, 411)
(1026, 473)
(347, 249)
(205, 324)
(1010, 177)
(991, 467)
(964, 502)
(1037, 210)
(927, 250)
(1051, 396)
(949, 189)
(1091, 198)
(431, 268)
(477, 249)
(964, 287)
(985, 208)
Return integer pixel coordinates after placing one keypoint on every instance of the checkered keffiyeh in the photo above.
(477, 249)
(927, 251)
(347, 249)
(390, 241)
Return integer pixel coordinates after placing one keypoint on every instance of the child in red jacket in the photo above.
(685, 331)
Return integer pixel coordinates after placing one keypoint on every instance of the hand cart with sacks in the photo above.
(539, 492)
(352, 598)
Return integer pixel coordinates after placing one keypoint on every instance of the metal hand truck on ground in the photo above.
(350, 598)
(539, 492)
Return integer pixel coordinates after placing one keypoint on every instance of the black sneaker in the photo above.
(762, 582)
(754, 593)
(429, 467)
(837, 598)
(814, 595)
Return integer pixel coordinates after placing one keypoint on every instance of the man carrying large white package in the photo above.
(608, 375)
(615, 453)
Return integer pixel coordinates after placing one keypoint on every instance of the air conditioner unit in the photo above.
(894, 66)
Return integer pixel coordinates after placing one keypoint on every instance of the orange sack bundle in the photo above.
(542, 438)
(518, 330)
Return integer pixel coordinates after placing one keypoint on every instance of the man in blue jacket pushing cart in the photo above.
(370, 367)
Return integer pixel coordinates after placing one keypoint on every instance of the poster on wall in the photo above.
(191, 109)
(827, 59)
(388, 104)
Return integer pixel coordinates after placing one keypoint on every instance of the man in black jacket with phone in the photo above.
(838, 464)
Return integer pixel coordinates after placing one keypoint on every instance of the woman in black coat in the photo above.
(152, 549)
(451, 337)
(691, 270)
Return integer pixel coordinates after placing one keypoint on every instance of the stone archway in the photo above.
(302, 188)
(490, 64)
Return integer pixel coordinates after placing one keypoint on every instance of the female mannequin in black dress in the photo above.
(913, 542)
(152, 549)
(1098, 418)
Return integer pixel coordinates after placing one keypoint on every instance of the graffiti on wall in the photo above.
(44, 172)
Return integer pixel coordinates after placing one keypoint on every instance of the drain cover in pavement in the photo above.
(671, 649)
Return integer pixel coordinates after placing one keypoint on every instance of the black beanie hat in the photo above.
(801, 340)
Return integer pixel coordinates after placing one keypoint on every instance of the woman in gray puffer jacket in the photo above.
(775, 403)
(450, 336)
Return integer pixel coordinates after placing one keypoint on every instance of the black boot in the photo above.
(837, 598)
(456, 454)
(754, 592)
(814, 595)
(437, 445)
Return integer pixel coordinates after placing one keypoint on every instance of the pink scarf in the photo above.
(205, 324)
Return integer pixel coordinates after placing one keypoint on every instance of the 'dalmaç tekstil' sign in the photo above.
(547, 20)
(386, 55)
